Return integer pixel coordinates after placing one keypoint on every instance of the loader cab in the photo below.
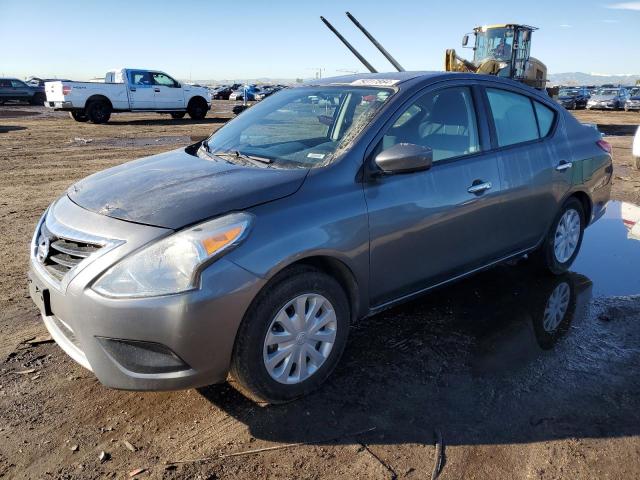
(509, 44)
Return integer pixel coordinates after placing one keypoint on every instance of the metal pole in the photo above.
(384, 52)
(349, 46)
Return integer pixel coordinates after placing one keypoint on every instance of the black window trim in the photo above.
(478, 105)
(492, 127)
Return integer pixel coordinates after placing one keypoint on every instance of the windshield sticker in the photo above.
(319, 156)
(375, 82)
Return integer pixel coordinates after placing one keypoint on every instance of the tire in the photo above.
(197, 108)
(38, 99)
(558, 261)
(79, 115)
(251, 351)
(98, 111)
(178, 115)
(636, 162)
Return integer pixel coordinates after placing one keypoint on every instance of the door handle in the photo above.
(479, 187)
(156, 90)
(132, 89)
(563, 166)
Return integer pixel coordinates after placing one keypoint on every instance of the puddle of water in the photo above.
(610, 252)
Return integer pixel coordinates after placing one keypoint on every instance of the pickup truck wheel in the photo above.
(197, 108)
(292, 336)
(38, 99)
(79, 116)
(98, 111)
(178, 115)
(562, 244)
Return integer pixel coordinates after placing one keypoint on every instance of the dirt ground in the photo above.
(465, 368)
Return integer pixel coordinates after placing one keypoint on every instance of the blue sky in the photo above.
(285, 39)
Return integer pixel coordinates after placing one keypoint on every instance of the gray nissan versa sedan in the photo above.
(252, 252)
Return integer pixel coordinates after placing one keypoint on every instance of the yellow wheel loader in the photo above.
(501, 50)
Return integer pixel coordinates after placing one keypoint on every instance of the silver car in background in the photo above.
(608, 99)
(253, 252)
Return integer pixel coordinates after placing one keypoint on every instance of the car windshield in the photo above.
(568, 93)
(607, 92)
(635, 92)
(300, 127)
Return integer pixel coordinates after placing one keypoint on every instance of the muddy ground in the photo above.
(470, 366)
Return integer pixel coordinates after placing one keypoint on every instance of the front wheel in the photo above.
(38, 99)
(562, 244)
(292, 336)
(197, 108)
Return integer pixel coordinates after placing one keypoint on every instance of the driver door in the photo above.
(168, 93)
(427, 227)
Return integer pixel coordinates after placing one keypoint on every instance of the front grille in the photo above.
(59, 255)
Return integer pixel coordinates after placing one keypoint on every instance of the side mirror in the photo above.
(465, 40)
(404, 158)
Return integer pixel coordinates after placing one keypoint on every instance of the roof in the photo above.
(374, 79)
(484, 28)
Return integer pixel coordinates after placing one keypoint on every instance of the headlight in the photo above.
(173, 264)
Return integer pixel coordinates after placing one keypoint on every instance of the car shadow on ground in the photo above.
(10, 128)
(484, 361)
(619, 130)
(168, 121)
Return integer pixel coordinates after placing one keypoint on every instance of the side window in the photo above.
(139, 78)
(545, 118)
(162, 79)
(5, 83)
(513, 117)
(18, 84)
(444, 121)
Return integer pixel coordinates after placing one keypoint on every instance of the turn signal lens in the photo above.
(217, 242)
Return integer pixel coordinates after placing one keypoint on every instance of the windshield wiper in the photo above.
(245, 156)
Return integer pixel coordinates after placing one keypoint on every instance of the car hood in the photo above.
(176, 189)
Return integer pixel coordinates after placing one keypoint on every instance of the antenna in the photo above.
(377, 44)
(349, 46)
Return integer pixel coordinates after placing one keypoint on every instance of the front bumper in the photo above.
(601, 106)
(197, 327)
(632, 106)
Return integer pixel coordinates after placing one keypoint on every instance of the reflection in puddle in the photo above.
(610, 252)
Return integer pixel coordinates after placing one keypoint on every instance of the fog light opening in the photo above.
(143, 357)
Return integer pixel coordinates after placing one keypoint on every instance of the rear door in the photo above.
(534, 160)
(168, 93)
(427, 227)
(6, 89)
(141, 93)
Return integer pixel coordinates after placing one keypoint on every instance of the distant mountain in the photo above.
(579, 78)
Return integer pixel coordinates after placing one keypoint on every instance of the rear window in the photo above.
(513, 117)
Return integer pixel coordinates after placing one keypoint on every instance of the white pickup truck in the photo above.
(128, 90)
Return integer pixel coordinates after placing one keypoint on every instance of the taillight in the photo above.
(604, 145)
(66, 89)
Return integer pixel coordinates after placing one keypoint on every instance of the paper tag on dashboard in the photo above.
(319, 156)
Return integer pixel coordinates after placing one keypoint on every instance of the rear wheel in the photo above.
(562, 244)
(79, 115)
(292, 336)
(38, 99)
(197, 108)
(98, 111)
(178, 115)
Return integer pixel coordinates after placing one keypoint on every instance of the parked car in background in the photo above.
(128, 90)
(13, 89)
(254, 251)
(633, 102)
(608, 99)
(266, 92)
(39, 82)
(221, 93)
(573, 98)
(635, 150)
(249, 90)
